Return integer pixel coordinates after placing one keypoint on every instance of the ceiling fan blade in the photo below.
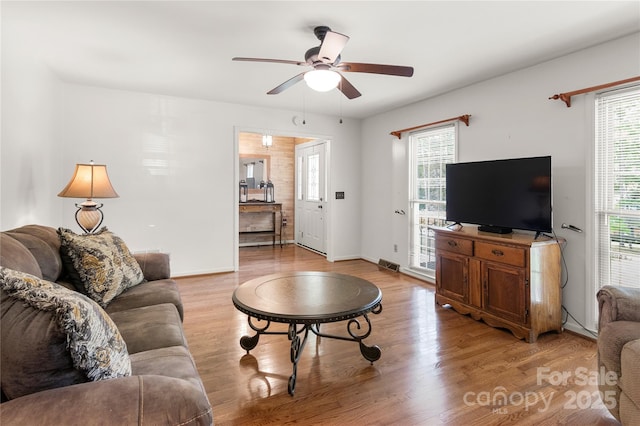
(347, 88)
(331, 46)
(284, 86)
(376, 69)
(277, 61)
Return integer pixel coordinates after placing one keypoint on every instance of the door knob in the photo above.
(319, 206)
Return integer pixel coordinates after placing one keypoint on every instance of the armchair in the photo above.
(619, 351)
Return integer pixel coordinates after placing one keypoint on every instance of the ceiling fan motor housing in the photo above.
(311, 57)
(321, 31)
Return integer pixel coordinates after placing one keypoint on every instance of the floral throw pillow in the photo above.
(93, 340)
(99, 264)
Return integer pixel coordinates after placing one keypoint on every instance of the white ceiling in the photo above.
(185, 48)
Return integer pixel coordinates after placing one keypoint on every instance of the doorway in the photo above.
(311, 195)
(280, 160)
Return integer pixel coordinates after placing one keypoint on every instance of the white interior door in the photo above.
(311, 195)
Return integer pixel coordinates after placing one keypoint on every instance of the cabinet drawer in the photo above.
(263, 208)
(455, 245)
(504, 254)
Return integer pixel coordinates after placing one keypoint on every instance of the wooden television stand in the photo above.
(510, 281)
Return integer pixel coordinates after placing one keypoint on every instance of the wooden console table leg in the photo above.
(281, 219)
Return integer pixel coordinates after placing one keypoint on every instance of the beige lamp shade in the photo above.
(89, 181)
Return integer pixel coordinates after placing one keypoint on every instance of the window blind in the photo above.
(431, 150)
(617, 187)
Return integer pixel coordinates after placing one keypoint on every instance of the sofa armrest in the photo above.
(618, 304)
(155, 266)
(128, 400)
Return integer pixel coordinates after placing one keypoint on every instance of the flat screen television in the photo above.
(501, 195)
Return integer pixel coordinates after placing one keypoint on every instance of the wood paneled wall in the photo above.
(281, 173)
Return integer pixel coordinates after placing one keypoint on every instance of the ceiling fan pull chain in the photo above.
(340, 97)
(304, 108)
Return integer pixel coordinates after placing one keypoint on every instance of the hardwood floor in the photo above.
(437, 366)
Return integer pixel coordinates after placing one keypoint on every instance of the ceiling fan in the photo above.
(326, 62)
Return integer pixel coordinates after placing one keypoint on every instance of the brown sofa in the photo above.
(39, 382)
(619, 352)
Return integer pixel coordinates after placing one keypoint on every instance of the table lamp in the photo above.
(89, 181)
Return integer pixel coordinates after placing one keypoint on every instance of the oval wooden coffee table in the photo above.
(304, 300)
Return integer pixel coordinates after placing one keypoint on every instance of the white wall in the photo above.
(171, 160)
(29, 154)
(511, 117)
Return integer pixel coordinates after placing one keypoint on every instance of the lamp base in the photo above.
(89, 216)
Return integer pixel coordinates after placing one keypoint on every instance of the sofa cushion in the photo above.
(155, 266)
(630, 383)
(174, 361)
(34, 353)
(14, 255)
(43, 242)
(612, 338)
(49, 331)
(148, 293)
(99, 264)
(150, 327)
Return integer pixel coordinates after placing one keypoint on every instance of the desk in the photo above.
(304, 300)
(261, 208)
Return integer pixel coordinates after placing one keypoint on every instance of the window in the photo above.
(616, 209)
(431, 150)
(313, 177)
(299, 174)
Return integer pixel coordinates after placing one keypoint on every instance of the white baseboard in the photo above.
(180, 274)
(576, 328)
(414, 274)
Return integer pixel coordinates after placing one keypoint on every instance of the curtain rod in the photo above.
(566, 97)
(463, 118)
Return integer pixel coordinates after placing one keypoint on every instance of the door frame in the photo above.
(236, 171)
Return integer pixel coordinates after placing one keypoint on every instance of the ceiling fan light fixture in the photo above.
(322, 80)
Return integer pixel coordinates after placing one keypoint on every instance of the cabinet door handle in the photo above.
(497, 252)
(452, 243)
